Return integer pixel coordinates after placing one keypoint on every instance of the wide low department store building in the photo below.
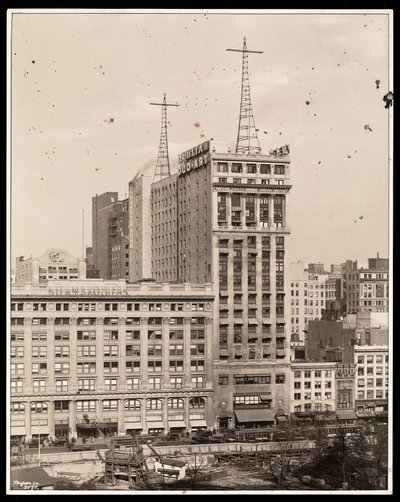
(126, 357)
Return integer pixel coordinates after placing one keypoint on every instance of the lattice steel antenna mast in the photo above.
(247, 139)
(162, 166)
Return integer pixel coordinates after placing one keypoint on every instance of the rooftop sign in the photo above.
(194, 158)
(281, 151)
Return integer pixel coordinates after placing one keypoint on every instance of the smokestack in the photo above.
(377, 254)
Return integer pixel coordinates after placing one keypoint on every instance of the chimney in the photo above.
(377, 255)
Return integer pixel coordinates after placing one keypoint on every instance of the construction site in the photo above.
(136, 463)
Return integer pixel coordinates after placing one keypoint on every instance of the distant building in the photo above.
(53, 264)
(164, 234)
(367, 289)
(119, 240)
(335, 340)
(337, 269)
(140, 245)
(316, 269)
(110, 229)
(313, 386)
(91, 272)
(308, 293)
(372, 382)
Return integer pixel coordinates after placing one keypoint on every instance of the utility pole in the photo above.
(162, 167)
(247, 139)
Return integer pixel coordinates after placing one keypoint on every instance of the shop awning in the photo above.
(346, 414)
(176, 423)
(254, 415)
(27, 479)
(198, 423)
(133, 425)
(326, 416)
(265, 397)
(86, 426)
(155, 425)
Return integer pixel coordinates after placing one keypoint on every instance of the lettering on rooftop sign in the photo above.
(279, 152)
(194, 158)
(87, 291)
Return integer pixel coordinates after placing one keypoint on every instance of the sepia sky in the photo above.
(81, 123)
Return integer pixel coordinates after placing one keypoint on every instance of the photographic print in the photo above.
(199, 223)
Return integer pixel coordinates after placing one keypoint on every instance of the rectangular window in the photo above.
(155, 383)
(198, 382)
(86, 351)
(16, 386)
(154, 350)
(132, 350)
(39, 368)
(17, 351)
(279, 378)
(61, 351)
(132, 366)
(197, 365)
(223, 380)
(39, 386)
(86, 384)
(110, 366)
(61, 368)
(110, 384)
(85, 406)
(176, 366)
(110, 351)
(62, 406)
(110, 335)
(86, 335)
(61, 385)
(39, 351)
(132, 383)
(89, 367)
(154, 366)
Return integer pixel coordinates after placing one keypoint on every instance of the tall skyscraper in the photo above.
(232, 232)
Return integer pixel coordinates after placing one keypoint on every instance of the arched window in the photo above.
(38, 407)
(175, 403)
(133, 404)
(154, 404)
(197, 402)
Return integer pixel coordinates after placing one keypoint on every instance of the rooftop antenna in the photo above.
(247, 139)
(162, 167)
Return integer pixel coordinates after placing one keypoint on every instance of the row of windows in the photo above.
(250, 379)
(38, 321)
(108, 366)
(372, 394)
(108, 350)
(236, 167)
(110, 405)
(116, 306)
(372, 382)
(370, 358)
(312, 373)
(88, 384)
(153, 334)
(313, 407)
(317, 385)
(372, 370)
(308, 395)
